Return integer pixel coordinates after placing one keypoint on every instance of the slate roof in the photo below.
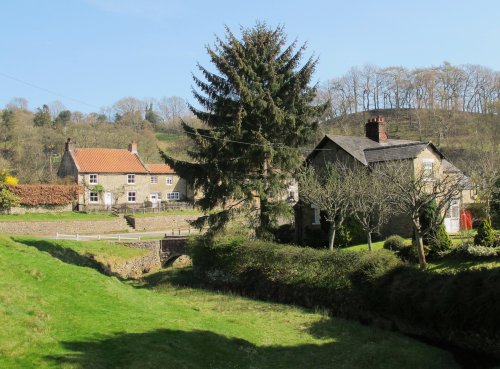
(159, 169)
(368, 151)
(107, 161)
(395, 152)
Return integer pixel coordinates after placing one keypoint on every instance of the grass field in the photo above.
(58, 313)
(56, 217)
(166, 212)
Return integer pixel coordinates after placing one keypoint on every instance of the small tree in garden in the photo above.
(485, 235)
(8, 199)
(411, 191)
(370, 204)
(434, 232)
(329, 189)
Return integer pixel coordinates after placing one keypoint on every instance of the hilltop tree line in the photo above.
(32, 142)
(466, 88)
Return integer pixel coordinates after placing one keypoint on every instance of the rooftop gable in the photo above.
(107, 161)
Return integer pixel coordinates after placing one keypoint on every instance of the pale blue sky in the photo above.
(94, 52)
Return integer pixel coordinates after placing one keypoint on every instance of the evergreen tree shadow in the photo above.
(67, 255)
(165, 348)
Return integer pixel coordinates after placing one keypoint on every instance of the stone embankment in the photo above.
(43, 228)
(135, 268)
(163, 222)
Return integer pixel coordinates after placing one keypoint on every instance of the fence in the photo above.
(80, 237)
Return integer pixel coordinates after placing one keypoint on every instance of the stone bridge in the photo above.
(171, 248)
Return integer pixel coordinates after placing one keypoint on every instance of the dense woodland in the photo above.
(456, 107)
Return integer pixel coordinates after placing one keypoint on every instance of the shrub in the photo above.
(458, 308)
(467, 251)
(284, 233)
(435, 236)
(292, 274)
(46, 194)
(485, 235)
(395, 243)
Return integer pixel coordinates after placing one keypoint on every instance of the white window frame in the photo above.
(130, 179)
(129, 196)
(154, 179)
(316, 215)
(428, 173)
(173, 196)
(95, 195)
(93, 178)
(169, 180)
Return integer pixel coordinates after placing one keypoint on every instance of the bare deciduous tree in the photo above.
(329, 189)
(369, 202)
(411, 190)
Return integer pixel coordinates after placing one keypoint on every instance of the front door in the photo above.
(452, 219)
(108, 199)
(155, 199)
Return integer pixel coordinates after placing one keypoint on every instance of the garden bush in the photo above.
(461, 308)
(435, 236)
(395, 243)
(468, 251)
(282, 273)
(485, 234)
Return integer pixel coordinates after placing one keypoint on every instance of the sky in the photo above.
(88, 54)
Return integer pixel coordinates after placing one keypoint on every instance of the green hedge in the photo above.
(461, 309)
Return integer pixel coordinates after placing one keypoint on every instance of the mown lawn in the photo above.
(138, 214)
(58, 313)
(70, 215)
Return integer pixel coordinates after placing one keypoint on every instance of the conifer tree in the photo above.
(258, 110)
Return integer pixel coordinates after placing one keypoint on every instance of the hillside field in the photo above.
(60, 312)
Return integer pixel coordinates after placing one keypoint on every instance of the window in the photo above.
(154, 179)
(93, 179)
(169, 180)
(131, 178)
(316, 219)
(93, 197)
(173, 196)
(131, 196)
(428, 170)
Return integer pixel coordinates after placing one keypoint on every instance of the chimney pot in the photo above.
(132, 147)
(68, 146)
(375, 129)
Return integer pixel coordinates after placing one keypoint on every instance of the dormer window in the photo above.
(130, 178)
(93, 179)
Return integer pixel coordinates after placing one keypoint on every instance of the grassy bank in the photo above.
(56, 217)
(56, 313)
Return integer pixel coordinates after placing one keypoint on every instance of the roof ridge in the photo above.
(398, 145)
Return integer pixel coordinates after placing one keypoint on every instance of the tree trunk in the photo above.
(420, 245)
(331, 236)
(264, 217)
(369, 238)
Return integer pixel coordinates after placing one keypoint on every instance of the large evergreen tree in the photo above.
(258, 110)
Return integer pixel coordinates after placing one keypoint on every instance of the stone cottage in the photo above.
(119, 177)
(377, 147)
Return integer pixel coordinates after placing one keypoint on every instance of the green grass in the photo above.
(364, 246)
(56, 313)
(167, 137)
(37, 217)
(166, 213)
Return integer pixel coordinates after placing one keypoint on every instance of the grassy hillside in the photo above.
(458, 134)
(57, 312)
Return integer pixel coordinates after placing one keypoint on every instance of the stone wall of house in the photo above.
(164, 222)
(65, 227)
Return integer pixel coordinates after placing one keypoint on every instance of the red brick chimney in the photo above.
(132, 147)
(68, 146)
(375, 130)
